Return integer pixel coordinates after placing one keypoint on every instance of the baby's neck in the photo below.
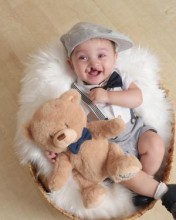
(88, 84)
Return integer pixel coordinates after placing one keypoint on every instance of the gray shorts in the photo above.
(129, 138)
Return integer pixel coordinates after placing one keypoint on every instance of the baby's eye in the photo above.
(51, 136)
(66, 125)
(101, 55)
(84, 58)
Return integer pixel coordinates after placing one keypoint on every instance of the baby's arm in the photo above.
(130, 98)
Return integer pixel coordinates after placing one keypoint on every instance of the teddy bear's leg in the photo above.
(121, 166)
(92, 193)
(61, 171)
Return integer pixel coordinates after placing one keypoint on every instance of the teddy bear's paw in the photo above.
(117, 125)
(54, 185)
(126, 168)
(123, 177)
(93, 196)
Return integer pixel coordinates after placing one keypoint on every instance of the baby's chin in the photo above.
(94, 80)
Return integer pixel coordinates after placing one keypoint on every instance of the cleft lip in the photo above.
(94, 72)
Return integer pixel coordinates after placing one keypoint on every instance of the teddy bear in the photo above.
(83, 148)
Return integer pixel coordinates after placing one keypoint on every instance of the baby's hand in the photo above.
(51, 156)
(99, 95)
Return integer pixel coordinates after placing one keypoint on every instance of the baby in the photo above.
(107, 93)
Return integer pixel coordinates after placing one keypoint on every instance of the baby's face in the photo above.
(94, 60)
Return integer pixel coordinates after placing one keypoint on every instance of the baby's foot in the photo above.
(169, 199)
(140, 200)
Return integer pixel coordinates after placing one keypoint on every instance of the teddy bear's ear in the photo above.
(72, 95)
(27, 131)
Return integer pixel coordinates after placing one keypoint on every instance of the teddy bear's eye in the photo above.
(51, 135)
(66, 125)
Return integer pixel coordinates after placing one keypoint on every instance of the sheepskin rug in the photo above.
(47, 76)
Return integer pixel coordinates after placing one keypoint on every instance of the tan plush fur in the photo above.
(60, 122)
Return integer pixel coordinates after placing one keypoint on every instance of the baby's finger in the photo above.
(53, 160)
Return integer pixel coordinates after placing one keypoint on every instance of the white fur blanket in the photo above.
(47, 76)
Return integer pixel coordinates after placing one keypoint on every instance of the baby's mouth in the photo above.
(94, 72)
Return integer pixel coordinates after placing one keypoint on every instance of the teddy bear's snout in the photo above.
(64, 138)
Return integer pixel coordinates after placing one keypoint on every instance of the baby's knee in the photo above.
(157, 145)
(151, 143)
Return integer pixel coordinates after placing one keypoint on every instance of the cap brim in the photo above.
(123, 43)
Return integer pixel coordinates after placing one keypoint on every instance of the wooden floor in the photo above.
(25, 26)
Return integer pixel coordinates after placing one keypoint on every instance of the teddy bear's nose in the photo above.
(61, 137)
(64, 138)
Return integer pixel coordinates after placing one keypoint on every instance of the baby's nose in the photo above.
(94, 63)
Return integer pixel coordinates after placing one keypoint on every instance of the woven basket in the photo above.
(165, 178)
(47, 72)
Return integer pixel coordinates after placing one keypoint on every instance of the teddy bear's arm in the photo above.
(106, 128)
(61, 172)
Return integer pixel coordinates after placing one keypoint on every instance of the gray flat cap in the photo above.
(84, 31)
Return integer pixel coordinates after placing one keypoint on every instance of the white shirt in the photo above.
(110, 111)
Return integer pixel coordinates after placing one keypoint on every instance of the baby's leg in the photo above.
(142, 184)
(151, 150)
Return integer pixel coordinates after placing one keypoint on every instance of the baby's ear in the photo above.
(72, 95)
(70, 63)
